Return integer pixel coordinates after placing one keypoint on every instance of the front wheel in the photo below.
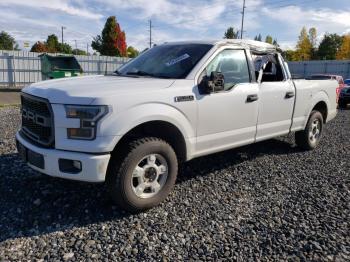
(143, 178)
(309, 138)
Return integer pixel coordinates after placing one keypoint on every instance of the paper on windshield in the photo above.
(177, 60)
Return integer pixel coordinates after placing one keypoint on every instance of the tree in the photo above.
(269, 39)
(313, 36)
(64, 48)
(329, 46)
(275, 43)
(79, 52)
(39, 47)
(313, 41)
(344, 51)
(289, 55)
(231, 33)
(258, 37)
(7, 42)
(52, 44)
(112, 41)
(132, 52)
(304, 46)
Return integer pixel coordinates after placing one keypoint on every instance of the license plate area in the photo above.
(30, 156)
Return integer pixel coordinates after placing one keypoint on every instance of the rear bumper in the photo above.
(93, 166)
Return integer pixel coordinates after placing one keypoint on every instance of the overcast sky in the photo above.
(33, 20)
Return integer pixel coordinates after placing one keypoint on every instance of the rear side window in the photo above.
(233, 65)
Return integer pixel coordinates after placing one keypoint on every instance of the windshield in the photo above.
(166, 61)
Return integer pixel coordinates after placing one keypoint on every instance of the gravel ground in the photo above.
(268, 201)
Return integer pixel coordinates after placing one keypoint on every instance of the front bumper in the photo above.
(93, 166)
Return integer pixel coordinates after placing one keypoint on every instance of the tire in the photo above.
(144, 177)
(310, 137)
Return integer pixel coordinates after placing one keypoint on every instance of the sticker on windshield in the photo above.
(177, 60)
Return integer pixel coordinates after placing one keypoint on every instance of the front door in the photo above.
(228, 118)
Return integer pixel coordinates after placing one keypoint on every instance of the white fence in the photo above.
(306, 68)
(18, 68)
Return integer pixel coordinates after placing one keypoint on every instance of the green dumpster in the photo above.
(60, 66)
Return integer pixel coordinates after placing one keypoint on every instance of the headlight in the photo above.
(89, 117)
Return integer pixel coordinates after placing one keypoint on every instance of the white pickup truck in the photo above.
(173, 103)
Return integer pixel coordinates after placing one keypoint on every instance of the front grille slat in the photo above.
(37, 120)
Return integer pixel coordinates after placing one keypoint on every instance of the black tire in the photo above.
(303, 138)
(120, 174)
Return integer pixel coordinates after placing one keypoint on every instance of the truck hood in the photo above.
(84, 90)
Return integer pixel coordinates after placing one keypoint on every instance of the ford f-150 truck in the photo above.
(175, 102)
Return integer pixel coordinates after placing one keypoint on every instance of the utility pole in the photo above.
(150, 33)
(62, 28)
(242, 26)
(87, 48)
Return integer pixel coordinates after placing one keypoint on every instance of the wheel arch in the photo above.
(160, 129)
(320, 102)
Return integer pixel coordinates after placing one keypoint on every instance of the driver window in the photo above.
(233, 65)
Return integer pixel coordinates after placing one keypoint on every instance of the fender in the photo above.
(125, 121)
(320, 96)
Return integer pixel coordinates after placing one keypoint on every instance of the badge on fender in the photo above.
(184, 98)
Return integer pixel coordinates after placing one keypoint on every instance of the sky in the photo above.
(172, 20)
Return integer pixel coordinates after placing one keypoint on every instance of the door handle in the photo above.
(252, 98)
(289, 95)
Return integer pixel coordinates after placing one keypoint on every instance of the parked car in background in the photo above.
(339, 79)
(344, 98)
(347, 82)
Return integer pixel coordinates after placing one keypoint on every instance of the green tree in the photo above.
(289, 55)
(112, 41)
(52, 44)
(7, 42)
(132, 52)
(79, 52)
(258, 37)
(329, 46)
(304, 46)
(64, 48)
(269, 39)
(275, 43)
(231, 33)
(313, 41)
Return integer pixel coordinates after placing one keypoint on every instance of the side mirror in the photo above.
(214, 83)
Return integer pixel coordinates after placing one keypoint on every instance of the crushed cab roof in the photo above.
(255, 46)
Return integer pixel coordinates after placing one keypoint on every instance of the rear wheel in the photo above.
(145, 176)
(309, 138)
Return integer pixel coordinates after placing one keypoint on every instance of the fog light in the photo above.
(70, 166)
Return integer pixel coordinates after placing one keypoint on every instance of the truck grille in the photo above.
(37, 120)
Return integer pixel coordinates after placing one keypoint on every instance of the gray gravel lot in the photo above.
(268, 201)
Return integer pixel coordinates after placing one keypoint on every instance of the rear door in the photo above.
(276, 100)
